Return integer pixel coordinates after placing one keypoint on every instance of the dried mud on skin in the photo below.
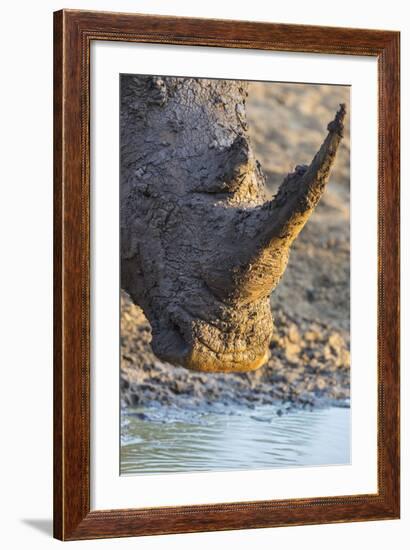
(310, 350)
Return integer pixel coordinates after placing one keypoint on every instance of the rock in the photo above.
(311, 336)
(336, 342)
(293, 334)
(321, 383)
(292, 376)
(134, 399)
(292, 353)
(345, 358)
(310, 295)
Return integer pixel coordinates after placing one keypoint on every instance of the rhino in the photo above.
(202, 246)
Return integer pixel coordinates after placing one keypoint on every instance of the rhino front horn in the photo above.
(267, 233)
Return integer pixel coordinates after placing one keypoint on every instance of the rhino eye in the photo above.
(230, 167)
(216, 187)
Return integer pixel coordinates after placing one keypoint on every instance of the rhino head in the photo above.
(201, 246)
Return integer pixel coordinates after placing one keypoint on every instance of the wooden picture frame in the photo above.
(73, 33)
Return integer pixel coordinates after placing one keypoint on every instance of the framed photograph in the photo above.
(226, 275)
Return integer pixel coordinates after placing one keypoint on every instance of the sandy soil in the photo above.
(310, 359)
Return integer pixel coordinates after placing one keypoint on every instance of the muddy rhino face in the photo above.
(201, 248)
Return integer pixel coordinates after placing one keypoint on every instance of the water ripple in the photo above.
(165, 440)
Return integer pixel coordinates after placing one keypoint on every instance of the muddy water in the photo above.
(165, 440)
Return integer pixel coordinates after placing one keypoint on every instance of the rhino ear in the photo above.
(301, 191)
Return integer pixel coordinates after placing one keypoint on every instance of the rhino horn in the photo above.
(277, 223)
(301, 191)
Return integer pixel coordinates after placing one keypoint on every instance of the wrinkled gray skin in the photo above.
(201, 247)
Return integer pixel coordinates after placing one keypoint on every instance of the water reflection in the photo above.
(165, 440)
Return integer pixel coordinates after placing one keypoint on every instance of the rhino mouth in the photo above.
(200, 357)
(204, 346)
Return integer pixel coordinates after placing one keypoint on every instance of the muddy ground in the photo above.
(310, 352)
